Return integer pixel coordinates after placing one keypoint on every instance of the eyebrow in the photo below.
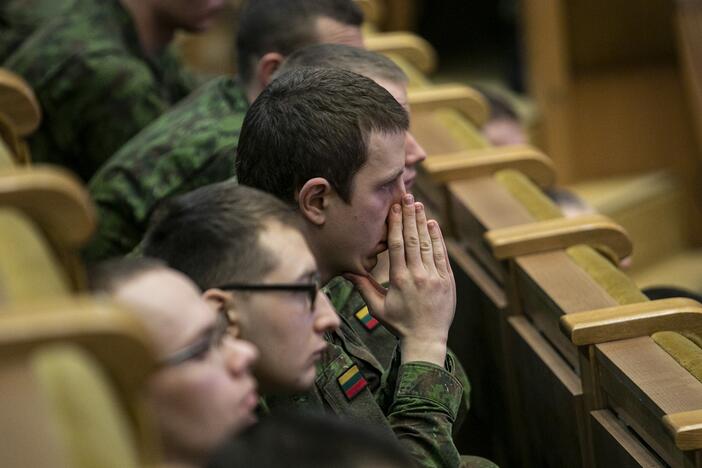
(308, 275)
(393, 177)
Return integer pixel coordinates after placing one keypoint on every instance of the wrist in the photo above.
(431, 350)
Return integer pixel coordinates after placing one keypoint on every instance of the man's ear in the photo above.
(223, 302)
(266, 67)
(314, 199)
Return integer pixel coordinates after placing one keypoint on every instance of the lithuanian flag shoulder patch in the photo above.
(367, 319)
(352, 382)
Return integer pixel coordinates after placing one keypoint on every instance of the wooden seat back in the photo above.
(72, 372)
(46, 216)
(20, 115)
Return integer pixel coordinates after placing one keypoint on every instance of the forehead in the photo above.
(170, 307)
(386, 156)
(398, 91)
(291, 254)
(330, 31)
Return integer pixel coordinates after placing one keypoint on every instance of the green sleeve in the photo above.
(424, 407)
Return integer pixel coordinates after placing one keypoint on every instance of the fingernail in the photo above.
(409, 199)
(418, 207)
(395, 208)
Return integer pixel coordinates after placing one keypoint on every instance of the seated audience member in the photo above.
(331, 143)
(195, 143)
(20, 18)
(102, 72)
(245, 250)
(344, 296)
(203, 391)
(311, 441)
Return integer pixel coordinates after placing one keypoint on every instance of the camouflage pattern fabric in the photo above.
(382, 344)
(95, 85)
(20, 18)
(418, 402)
(192, 145)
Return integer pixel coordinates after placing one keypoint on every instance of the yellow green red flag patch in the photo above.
(367, 319)
(352, 382)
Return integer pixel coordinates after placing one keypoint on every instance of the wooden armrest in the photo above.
(409, 46)
(472, 164)
(18, 103)
(114, 336)
(595, 230)
(54, 199)
(460, 98)
(632, 321)
(372, 10)
(685, 428)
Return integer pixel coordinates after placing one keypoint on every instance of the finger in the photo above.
(409, 232)
(439, 248)
(372, 293)
(396, 245)
(425, 245)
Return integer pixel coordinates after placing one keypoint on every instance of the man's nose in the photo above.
(326, 318)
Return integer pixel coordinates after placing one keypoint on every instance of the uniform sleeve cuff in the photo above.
(428, 381)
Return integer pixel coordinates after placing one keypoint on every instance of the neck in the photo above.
(326, 272)
(154, 34)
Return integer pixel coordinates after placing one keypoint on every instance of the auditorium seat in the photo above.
(20, 115)
(71, 376)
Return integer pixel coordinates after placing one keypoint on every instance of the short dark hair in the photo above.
(212, 234)
(107, 276)
(308, 440)
(313, 122)
(285, 25)
(361, 61)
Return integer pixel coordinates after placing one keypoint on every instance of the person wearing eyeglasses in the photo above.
(203, 389)
(244, 249)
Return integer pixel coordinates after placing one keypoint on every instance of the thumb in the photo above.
(373, 293)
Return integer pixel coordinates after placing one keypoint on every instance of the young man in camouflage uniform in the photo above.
(195, 143)
(104, 71)
(332, 144)
(20, 18)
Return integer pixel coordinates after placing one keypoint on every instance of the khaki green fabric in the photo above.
(461, 130)
(683, 350)
(93, 427)
(96, 86)
(29, 269)
(612, 279)
(529, 195)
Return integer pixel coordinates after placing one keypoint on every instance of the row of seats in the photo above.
(554, 383)
(570, 364)
(72, 368)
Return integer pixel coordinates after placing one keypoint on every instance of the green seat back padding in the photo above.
(682, 349)
(6, 159)
(28, 268)
(93, 427)
(461, 129)
(416, 78)
(617, 284)
(529, 195)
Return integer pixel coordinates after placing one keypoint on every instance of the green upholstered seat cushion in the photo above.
(28, 268)
(93, 427)
(461, 129)
(539, 206)
(684, 350)
(617, 284)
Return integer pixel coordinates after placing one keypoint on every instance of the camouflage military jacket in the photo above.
(353, 311)
(192, 145)
(418, 402)
(95, 85)
(20, 18)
